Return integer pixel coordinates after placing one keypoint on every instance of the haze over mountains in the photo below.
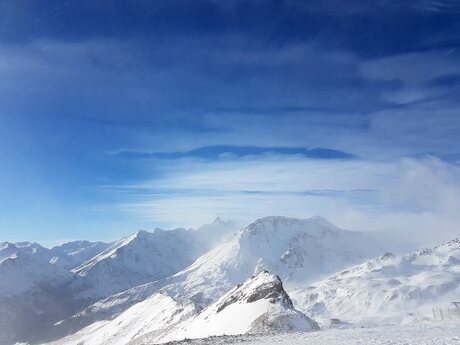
(174, 284)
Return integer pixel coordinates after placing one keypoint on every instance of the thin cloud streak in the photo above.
(408, 196)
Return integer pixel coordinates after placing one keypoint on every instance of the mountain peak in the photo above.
(321, 220)
(262, 285)
(5, 245)
(281, 219)
(451, 245)
(217, 220)
(143, 234)
(259, 305)
(315, 226)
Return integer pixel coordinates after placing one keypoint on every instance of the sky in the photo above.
(121, 115)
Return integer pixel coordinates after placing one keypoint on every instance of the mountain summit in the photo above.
(259, 305)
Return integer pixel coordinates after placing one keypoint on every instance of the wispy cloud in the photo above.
(214, 106)
(407, 195)
(222, 151)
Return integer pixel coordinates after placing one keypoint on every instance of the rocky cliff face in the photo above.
(260, 286)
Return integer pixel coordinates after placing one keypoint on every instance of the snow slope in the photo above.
(144, 257)
(24, 272)
(30, 286)
(40, 286)
(412, 334)
(387, 288)
(160, 275)
(296, 250)
(67, 255)
(257, 306)
(72, 254)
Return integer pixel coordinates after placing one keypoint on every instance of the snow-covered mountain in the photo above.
(145, 257)
(152, 283)
(67, 255)
(8, 249)
(25, 265)
(259, 305)
(72, 254)
(34, 284)
(30, 291)
(299, 251)
(389, 287)
(40, 286)
(21, 272)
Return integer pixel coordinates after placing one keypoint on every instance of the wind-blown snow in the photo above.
(145, 257)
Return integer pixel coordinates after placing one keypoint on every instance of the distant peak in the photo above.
(218, 220)
(281, 219)
(143, 233)
(322, 221)
(451, 245)
(272, 219)
(24, 244)
(318, 218)
(4, 245)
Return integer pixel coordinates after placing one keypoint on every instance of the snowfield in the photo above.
(414, 334)
(390, 288)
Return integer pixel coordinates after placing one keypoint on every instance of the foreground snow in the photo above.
(415, 334)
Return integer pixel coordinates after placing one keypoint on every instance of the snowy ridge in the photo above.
(389, 287)
(9, 250)
(21, 273)
(144, 257)
(319, 248)
(67, 255)
(299, 251)
(23, 265)
(167, 285)
(34, 286)
(259, 305)
(72, 254)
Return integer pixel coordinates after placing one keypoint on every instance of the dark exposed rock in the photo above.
(271, 289)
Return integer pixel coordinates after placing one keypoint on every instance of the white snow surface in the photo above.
(164, 319)
(426, 333)
(67, 255)
(241, 314)
(22, 273)
(391, 288)
(155, 286)
(25, 265)
(299, 251)
(144, 257)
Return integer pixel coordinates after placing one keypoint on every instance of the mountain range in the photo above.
(275, 275)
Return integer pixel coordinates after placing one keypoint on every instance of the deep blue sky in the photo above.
(119, 115)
